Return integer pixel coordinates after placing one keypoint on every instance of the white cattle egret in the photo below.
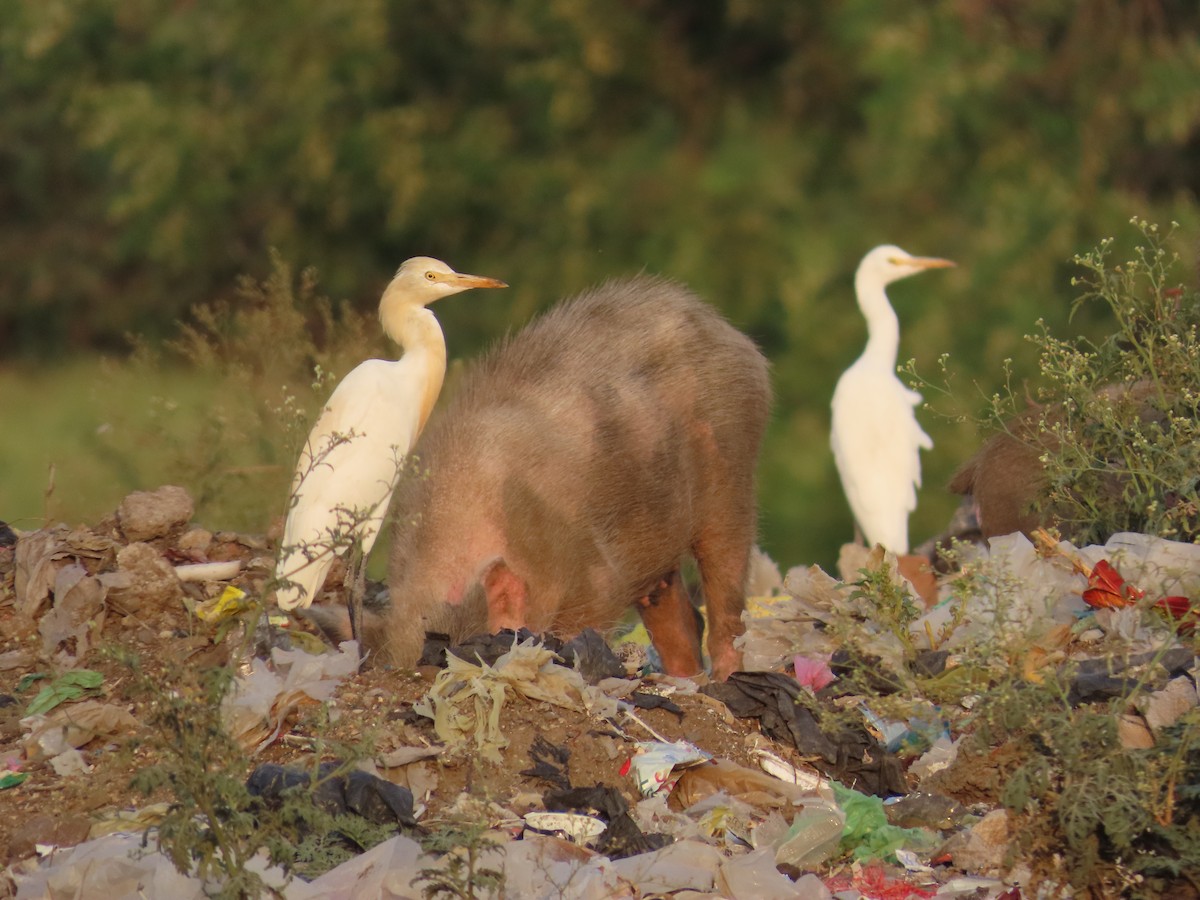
(354, 454)
(875, 436)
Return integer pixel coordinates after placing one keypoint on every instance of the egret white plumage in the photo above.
(355, 452)
(875, 436)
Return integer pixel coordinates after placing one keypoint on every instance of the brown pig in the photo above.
(577, 466)
(1008, 483)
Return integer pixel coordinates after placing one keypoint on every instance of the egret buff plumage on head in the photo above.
(875, 436)
(354, 454)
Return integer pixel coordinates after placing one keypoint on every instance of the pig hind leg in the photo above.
(671, 621)
(722, 551)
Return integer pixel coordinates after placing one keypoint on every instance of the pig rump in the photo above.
(579, 463)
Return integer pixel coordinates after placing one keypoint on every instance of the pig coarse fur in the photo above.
(578, 464)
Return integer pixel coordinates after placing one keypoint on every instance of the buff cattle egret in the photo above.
(354, 455)
(875, 436)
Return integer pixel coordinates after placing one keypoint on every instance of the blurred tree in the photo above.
(152, 150)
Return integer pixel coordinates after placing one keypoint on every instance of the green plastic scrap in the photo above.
(70, 686)
(12, 779)
(28, 681)
(868, 834)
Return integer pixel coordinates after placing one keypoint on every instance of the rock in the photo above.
(1133, 733)
(153, 587)
(982, 849)
(1163, 708)
(195, 540)
(145, 515)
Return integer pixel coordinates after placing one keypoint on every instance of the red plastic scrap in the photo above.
(1108, 590)
(1181, 610)
(874, 883)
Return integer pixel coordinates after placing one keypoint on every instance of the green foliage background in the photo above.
(151, 151)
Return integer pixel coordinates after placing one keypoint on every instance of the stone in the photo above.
(983, 849)
(195, 540)
(146, 515)
(153, 584)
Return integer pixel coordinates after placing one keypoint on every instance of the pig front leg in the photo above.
(671, 622)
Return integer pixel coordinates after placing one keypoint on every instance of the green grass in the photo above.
(95, 431)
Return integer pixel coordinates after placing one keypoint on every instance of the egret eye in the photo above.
(430, 276)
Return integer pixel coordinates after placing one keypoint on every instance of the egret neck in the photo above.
(883, 328)
(416, 330)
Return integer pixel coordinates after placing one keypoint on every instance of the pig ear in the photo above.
(506, 596)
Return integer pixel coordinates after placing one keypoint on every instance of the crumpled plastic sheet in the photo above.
(868, 831)
(1106, 677)
(774, 699)
(357, 792)
(259, 704)
(778, 702)
(1030, 594)
(1159, 567)
(623, 836)
(466, 699)
(685, 865)
(778, 628)
(755, 875)
(118, 867)
(1025, 593)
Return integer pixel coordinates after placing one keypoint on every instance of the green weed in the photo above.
(464, 842)
(890, 605)
(215, 827)
(1116, 422)
(1105, 809)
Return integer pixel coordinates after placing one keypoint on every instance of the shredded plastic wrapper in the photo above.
(466, 698)
(261, 702)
